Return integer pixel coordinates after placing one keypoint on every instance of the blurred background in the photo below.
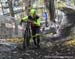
(60, 23)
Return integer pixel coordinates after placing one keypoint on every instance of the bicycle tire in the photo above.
(26, 36)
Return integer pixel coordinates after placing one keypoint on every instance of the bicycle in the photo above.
(27, 34)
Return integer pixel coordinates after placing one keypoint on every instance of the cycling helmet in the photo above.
(33, 11)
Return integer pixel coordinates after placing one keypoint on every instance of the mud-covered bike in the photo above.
(27, 34)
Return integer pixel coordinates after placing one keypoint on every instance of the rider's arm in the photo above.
(37, 22)
(24, 19)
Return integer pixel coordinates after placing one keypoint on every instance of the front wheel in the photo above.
(24, 42)
(26, 37)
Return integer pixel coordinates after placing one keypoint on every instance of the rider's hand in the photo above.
(20, 23)
(30, 21)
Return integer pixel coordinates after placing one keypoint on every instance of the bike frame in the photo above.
(27, 34)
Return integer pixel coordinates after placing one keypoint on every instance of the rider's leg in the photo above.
(34, 39)
(28, 42)
(38, 37)
(38, 41)
(33, 34)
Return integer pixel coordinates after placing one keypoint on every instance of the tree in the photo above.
(12, 14)
(2, 7)
(50, 6)
(27, 4)
(10, 7)
(74, 2)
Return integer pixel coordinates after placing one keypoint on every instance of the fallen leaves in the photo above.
(15, 40)
(70, 43)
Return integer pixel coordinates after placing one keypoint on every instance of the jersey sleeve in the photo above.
(25, 18)
(37, 22)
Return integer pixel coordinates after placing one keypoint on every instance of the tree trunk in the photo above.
(2, 7)
(74, 2)
(11, 8)
(52, 9)
(12, 14)
(50, 6)
(27, 6)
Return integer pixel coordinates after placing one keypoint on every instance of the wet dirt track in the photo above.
(52, 52)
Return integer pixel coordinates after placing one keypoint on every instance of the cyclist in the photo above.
(34, 19)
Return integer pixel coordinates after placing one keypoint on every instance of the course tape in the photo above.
(43, 35)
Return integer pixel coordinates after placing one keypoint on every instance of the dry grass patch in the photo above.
(15, 40)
